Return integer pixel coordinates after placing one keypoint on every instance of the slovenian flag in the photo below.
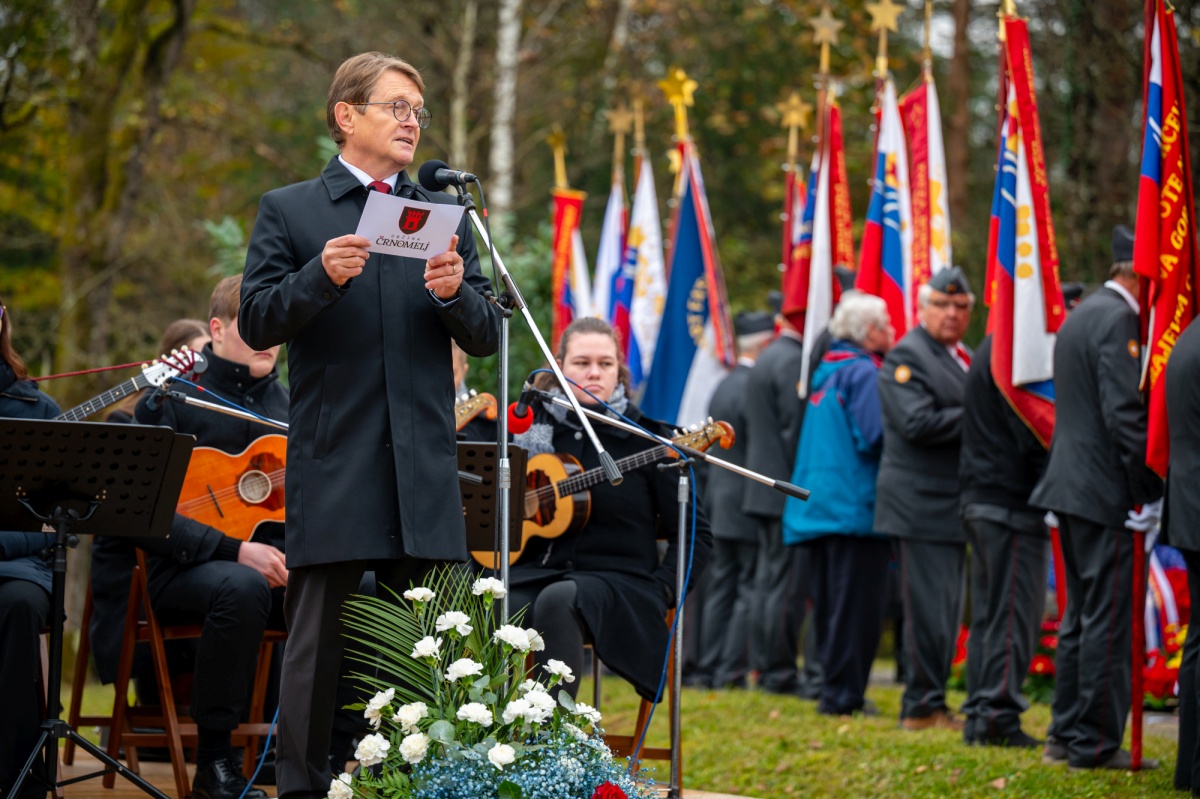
(695, 344)
(1023, 291)
(642, 288)
(797, 237)
(608, 262)
(885, 264)
(1165, 239)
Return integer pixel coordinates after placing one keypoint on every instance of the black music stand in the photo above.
(479, 501)
(72, 478)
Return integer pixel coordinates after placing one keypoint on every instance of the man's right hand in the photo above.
(266, 560)
(344, 257)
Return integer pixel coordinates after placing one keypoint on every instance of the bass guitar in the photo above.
(236, 493)
(183, 363)
(557, 500)
(471, 405)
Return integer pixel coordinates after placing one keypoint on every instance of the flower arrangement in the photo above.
(461, 714)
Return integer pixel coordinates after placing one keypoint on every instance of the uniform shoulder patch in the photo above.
(1134, 350)
(902, 374)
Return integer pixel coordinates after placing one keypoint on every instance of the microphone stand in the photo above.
(510, 298)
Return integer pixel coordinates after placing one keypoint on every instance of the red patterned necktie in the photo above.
(963, 355)
(379, 185)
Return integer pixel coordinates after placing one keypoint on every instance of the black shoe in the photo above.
(1017, 740)
(1055, 753)
(1120, 761)
(220, 780)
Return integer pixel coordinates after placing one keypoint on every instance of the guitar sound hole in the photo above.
(254, 487)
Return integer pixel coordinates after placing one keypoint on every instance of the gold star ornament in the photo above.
(678, 87)
(825, 27)
(794, 112)
(620, 120)
(884, 14)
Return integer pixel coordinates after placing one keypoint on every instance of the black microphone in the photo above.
(438, 176)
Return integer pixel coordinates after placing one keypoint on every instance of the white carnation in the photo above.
(372, 749)
(374, 711)
(524, 709)
(414, 747)
(408, 716)
(513, 636)
(475, 712)
(339, 787)
(427, 647)
(587, 712)
(535, 640)
(560, 669)
(489, 585)
(501, 755)
(530, 685)
(541, 700)
(419, 594)
(464, 667)
(454, 619)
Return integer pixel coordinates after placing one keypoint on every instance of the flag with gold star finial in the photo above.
(922, 117)
(1023, 290)
(641, 290)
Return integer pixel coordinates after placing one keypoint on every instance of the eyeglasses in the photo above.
(941, 304)
(402, 110)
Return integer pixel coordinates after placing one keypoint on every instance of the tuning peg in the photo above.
(472, 393)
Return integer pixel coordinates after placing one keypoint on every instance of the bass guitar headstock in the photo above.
(701, 437)
(471, 405)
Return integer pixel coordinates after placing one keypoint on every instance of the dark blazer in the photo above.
(921, 392)
(774, 416)
(724, 490)
(1001, 458)
(1181, 521)
(1097, 467)
(372, 466)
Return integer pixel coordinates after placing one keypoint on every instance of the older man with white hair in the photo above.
(921, 388)
(838, 459)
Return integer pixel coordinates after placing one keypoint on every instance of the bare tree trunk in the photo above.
(958, 86)
(461, 86)
(501, 163)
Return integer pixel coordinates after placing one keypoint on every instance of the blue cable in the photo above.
(206, 393)
(263, 758)
(687, 574)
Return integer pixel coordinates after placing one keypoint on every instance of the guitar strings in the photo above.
(224, 493)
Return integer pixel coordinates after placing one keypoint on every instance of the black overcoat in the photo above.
(921, 393)
(774, 416)
(372, 466)
(1097, 467)
(724, 490)
(1181, 520)
(623, 589)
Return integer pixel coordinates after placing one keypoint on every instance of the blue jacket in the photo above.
(840, 447)
(21, 399)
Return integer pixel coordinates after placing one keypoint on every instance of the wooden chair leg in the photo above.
(79, 678)
(262, 674)
(120, 713)
(166, 696)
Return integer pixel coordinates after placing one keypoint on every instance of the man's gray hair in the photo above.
(856, 314)
(926, 291)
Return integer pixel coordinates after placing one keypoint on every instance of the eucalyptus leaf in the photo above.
(441, 731)
(566, 701)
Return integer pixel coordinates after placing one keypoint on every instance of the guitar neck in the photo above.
(585, 480)
(102, 401)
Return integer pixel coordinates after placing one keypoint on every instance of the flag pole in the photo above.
(927, 52)
(794, 116)
(620, 122)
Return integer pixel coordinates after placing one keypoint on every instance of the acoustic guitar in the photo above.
(237, 493)
(471, 405)
(180, 363)
(557, 500)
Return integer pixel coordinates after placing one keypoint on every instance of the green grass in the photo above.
(759, 745)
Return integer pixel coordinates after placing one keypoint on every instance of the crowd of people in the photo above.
(909, 448)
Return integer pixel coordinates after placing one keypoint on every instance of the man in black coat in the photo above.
(774, 415)
(1096, 476)
(1181, 530)
(729, 602)
(921, 388)
(372, 471)
(1010, 552)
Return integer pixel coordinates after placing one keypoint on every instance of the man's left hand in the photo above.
(444, 273)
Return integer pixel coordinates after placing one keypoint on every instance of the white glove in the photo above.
(1146, 519)
(1050, 519)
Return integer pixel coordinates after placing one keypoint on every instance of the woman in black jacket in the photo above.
(24, 590)
(604, 583)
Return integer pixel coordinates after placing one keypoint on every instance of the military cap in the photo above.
(1122, 245)
(950, 280)
(749, 322)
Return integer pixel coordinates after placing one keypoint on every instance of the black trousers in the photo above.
(781, 587)
(551, 611)
(1008, 595)
(312, 664)
(1187, 763)
(233, 603)
(848, 578)
(729, 606)
(24, 611)
(931, 588)
(1093, 666)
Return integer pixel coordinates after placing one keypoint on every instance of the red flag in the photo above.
(568, 209)
(1165, 239)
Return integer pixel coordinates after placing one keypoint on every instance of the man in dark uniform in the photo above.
(921, 390)
(1180, 530)
(774, 415)
(1096, 476)
(729, 601)
(372, 479)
